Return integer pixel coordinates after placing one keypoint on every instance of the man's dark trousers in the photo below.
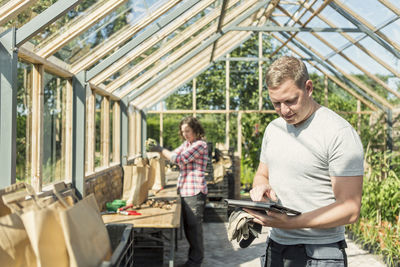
(305, 255)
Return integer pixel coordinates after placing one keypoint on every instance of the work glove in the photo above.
(153, 146)
(242, 228)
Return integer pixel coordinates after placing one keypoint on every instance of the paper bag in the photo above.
(156, 178)
(219, 171)
(86, 236)
(45, 233)
(135, 189)
(15, 247)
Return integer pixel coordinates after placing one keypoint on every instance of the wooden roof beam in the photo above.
(324, 4)
(11, 9)
(390, 6)
(361, 47)
(76, 27)
(140, 49)
(370, 29)
(170, 45)
(119, 38)
(334, 79)
(372, 76)
(195, 65)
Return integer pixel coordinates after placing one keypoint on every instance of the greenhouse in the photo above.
(95, 96)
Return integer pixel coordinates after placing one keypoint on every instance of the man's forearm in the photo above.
(336, 214)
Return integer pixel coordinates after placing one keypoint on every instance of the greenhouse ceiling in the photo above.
(143, 50)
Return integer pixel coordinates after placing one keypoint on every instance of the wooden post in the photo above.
(131, 131)
(105, 132)
(260, 74)
(37, 126)
(161, 124)
(68, 131)
(28, 129)
(194, 104)
(326, 91)
(138, 137)
(91, 131)
(239, 133)
(116, 132)
(227, 100)
(358, 116)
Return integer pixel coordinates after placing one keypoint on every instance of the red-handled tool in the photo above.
(129, 212)
(125, 207)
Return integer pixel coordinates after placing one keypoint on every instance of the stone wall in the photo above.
(106, 185)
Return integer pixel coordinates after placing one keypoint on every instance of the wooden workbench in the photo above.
(157, 218)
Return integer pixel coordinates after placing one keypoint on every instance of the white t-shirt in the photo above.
(301, 161)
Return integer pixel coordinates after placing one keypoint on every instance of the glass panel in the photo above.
(334, 17)
(24, 121)
(395, 3)
(54, 107)
(384, 54)
(370, 10)
(123, 18)
(393, 32)
(214, 127)
(364, 60)
(98, 133)
(3, 2)
(316, 44)
(185, 100)
(169, 47)
(344, 65)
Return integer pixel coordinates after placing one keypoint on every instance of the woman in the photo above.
(192, 157)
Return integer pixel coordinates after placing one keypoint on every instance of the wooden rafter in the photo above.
(361, 47)
(170, 45)
(151, 42)
(228, 42)
(50, 66)
(348, 76)
(372, 76)
(334, 79)
(367, 24)
(181, 52)
(76, 27)
(119, 38)
(390, 6)
(324, 4)
(11, 9)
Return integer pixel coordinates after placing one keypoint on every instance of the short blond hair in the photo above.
(287, 68)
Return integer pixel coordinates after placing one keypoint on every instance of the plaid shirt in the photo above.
(192, 160)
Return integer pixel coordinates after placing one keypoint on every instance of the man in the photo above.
(311, 161)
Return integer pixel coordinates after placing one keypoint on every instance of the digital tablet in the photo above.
(261, 206)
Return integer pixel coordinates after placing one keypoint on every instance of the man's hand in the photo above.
(263, 192)
(273, 219)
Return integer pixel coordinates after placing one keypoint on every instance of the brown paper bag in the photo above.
(44, 230)
(135, 182)
(219, 171)
(156, 180)
(15, 247)
(86, 236)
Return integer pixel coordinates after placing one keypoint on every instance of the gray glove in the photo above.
(240, 225)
